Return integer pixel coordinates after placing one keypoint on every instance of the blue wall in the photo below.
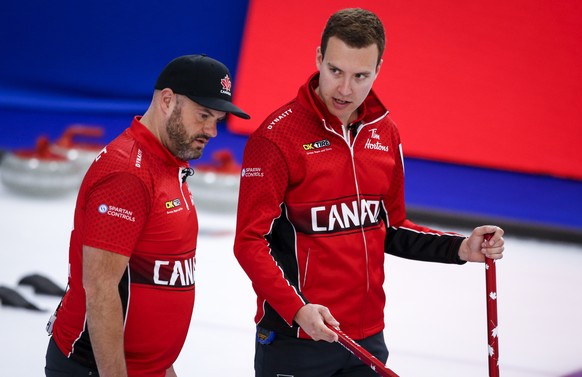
(104, 56)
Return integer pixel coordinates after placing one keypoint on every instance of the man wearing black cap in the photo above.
(132, 252)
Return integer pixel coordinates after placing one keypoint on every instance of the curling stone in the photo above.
(39, 172)
(77, 145)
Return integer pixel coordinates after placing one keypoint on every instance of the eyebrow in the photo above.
(329, 65)
(209, 112)
(367, 73)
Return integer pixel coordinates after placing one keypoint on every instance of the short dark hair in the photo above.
(356, 27)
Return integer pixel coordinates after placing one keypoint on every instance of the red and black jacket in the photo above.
(319, 205)
(134, 202)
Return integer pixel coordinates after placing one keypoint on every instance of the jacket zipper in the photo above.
(350, 143)
(180, 175)
(351, 146)
(347, 138)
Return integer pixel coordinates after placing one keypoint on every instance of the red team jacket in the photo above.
(134, 202)
(319, 207)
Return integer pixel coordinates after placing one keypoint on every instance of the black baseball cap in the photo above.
(204, 80)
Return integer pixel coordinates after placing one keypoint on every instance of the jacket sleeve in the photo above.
(407, 239)
(412, 241)
(262, 190)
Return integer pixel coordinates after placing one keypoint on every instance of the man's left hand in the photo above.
(475, 248)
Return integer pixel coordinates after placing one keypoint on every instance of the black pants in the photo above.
(58, 365)
(291, 357)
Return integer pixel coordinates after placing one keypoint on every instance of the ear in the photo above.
(318, 58)
(167, 100)
(379, 66)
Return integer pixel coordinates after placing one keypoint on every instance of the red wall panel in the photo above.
(493, 84)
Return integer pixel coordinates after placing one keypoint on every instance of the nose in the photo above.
(211, 128)
(345, 88)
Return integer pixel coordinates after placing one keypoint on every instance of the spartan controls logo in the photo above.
(316, 145)
(252, 172)
(226, 85)
(118, 212)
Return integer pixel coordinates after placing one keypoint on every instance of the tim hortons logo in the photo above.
(376, 144)
(226, 85)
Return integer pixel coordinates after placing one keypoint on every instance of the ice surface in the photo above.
(435, 315)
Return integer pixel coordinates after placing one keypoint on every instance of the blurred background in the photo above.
(486, 95)
(487, 98)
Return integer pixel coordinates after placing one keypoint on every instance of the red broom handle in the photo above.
(363, 354)
(492, 338)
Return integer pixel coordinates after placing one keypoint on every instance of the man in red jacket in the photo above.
(132, 252)
(321, 200)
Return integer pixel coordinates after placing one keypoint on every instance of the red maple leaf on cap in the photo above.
(226, 84)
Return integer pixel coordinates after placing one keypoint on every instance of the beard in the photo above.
(181, 144)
